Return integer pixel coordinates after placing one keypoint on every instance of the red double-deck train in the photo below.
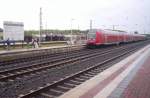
(98, 37)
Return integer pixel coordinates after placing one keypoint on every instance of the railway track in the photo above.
(31, 60)
(61, 86)
(58, 61)
(44, 57)
(34, 54)
(35, 74)
(30, 57)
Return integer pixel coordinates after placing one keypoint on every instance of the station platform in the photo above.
(3, 52)
(29, 49)
(130, 78)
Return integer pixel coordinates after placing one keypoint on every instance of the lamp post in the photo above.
(114, 26)
(40, 17)
(136, 27)
(91, 24)
(71, 30)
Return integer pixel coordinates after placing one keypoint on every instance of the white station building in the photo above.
(13, 31)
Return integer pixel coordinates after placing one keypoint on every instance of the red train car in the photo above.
(98, 37)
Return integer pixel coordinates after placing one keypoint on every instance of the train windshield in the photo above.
(91, 34)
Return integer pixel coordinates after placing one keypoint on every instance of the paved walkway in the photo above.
(139, 86)
(129, 78)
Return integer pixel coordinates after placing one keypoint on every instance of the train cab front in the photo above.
(91, 42)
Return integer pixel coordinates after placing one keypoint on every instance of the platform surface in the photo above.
(129, 78)
(30, 49)
(34, 49)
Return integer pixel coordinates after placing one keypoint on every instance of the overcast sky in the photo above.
(129, 15)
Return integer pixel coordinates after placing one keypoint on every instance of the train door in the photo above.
(99, 38)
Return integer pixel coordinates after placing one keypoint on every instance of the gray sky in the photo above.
(129, 15)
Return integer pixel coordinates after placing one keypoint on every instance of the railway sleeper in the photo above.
(47, 95)
(63, 87)
(18, 72)
(72, 82)
(96, 71)
(57, 90)
(84, 77)
(70, 85)
(10, 80)
(81, 79)
(92, 73)
(10, 74)
(3, 76)
(53, 92)
(89, 75)
(78, 81)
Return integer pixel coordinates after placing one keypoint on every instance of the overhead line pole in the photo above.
(91, 24)
(71, 30)
(40, 31)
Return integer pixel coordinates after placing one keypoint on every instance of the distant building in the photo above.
(13, 31)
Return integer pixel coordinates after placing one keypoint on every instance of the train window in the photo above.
(91, 36)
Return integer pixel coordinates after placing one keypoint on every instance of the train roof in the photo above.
(109, 31)
(116, 30)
